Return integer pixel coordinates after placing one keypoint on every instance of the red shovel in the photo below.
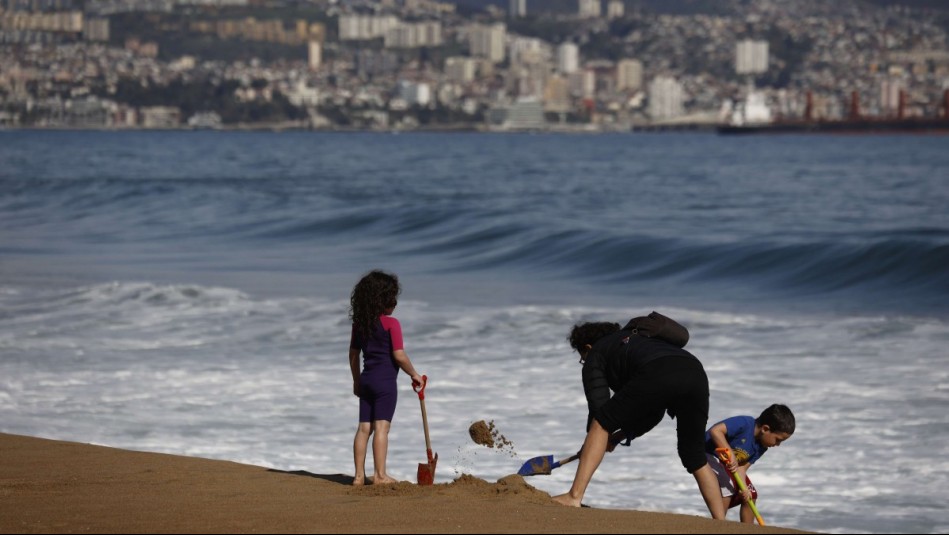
(426, 471)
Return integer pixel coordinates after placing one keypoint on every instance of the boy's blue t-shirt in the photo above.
(740, 432)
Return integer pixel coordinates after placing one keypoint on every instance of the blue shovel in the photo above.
(540, 466)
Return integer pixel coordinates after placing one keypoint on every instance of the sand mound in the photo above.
(467, 485)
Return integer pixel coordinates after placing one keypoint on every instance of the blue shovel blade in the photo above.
(538, 466)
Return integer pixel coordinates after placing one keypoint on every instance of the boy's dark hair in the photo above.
(375, 293)
(779, 418)
(583, 334)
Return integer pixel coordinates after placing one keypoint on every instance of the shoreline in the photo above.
(446, 129)
(52, 486)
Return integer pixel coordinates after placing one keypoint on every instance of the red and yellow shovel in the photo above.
(426, 471)
(724, 455)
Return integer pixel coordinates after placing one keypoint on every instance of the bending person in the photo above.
(648, 377)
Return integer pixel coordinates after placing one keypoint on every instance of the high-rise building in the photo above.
(488, 41)
(751, 57)
(95, 29)
(414, 34)
(314, 54)
(460, 69)
(588, 8)
(359, 27)
(517, 8)
(416, 94)
(528, 50)
(629, 75)
(557, 94)
(568, 58)
(665, 98)
(583, 83)
(615, 9)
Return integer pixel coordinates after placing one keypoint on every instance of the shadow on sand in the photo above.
(335, 478)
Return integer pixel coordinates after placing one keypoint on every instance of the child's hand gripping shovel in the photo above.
(724, 455)
(426, 471)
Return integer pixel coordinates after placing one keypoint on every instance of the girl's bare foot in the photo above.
(359, 481)
(382, 480)
(566, 499)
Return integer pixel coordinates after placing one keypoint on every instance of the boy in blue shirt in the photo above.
(747, 439)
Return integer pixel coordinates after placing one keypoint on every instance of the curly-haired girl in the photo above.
(378, 336)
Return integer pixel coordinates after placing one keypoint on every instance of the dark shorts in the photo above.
(377, 398)
(737, 498)
(677, 385)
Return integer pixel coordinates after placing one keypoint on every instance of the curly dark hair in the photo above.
(583, 334)
(375, 293)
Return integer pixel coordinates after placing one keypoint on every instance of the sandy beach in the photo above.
(50, 486)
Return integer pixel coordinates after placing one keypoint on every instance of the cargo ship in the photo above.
(855, 123)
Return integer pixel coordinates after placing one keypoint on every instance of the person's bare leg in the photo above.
(747, 515)
(726, 501)
(380, 448)
(360, 445)
(711, 492)
(594, 448)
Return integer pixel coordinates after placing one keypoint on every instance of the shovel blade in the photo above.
(537, 466)
(426, 472)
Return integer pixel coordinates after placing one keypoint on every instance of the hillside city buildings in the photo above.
(406, 64)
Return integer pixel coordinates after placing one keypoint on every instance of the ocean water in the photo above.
(187, 293)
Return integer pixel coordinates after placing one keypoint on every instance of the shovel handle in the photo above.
(570, 459)
(725, 457)
(420, 390)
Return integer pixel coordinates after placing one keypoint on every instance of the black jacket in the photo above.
(617, 358)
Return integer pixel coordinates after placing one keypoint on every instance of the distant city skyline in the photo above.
(680, 6)
(388, 64)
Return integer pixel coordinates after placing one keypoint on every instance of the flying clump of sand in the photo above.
(487, 434)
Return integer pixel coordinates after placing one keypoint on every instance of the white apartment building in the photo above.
(54, 21)
(414, 34)
(751, 57)
(314, 54)
(528, 50)
(665, 98)
(460, 69)
(361, 27)
(523, 114)
(96, 29)
(588, 8)
(487, 41)
(629, 75)
(517, 8)
(583, 83)
(615, 9)
(415, 93)
(568, 58)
